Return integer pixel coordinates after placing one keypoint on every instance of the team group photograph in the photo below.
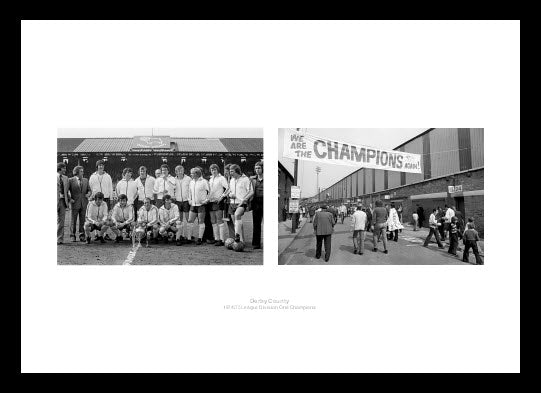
(155, 198)
(381, 196)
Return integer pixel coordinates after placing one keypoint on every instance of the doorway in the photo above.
(459, 204)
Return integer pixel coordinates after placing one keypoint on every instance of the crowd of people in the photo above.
(166, 207)
(385, 223)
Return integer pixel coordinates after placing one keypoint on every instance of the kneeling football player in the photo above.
(147, 216)
(169, 216)
(122, 218)
(96, 218)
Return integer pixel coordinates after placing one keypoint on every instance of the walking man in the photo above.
(434, 224)
(380, 216)
(359, 226)
(323, 227)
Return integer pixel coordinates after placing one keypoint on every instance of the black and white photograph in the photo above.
(374, 257)
(160, 196)
(385, 196)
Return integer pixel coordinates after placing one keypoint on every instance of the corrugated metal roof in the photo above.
(120, 145)
(243, 145)
(104, 145)
(207, 145)
(67, 145)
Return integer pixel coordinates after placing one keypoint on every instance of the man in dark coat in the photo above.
(421, 214)
(79, 192)
(323, 227)
(62, 194)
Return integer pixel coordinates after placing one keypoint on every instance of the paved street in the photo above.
(408, 250)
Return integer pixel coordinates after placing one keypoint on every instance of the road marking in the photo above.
(131, 255)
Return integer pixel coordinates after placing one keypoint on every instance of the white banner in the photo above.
(304, 146)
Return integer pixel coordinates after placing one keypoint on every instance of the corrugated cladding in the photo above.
(104, 145)
(379, 180)
(369, 176)
(348, 187)
(67, 145)
(394, 179)
(415, 146)
(207, 145)
(354, 184)
(360, 182)
(444, 151)
(243, 145)
(477, 136)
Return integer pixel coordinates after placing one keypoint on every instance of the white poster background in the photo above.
(304, 146)
(171, 318)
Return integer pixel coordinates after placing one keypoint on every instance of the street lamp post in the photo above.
(318, 169)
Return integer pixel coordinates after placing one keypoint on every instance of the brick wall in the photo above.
(473, 205)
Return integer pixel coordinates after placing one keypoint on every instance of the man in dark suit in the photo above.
(79, 193)
(323, 227)
(63, 200)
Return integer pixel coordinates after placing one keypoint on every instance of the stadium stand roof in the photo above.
(125, 145)
(67, 145)
(244, 145)
(209, 145)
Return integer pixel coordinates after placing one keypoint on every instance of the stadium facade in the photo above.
(285, 181)
(452, 168)
(153, 151)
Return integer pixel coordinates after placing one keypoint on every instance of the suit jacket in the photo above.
(64, 179)
(79, 194)
(323, 223)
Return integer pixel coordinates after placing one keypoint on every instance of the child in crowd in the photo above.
(471, 237)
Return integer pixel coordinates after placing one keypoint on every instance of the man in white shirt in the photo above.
(343, 212)
(218, 190)
(122, 217)
(168, 218)
(240, 190)
(358, 222)
(96, 218)
(100, 181)
(199, 190)
(433, 222)
(127, 186)
(147, 217)
(164, 185)
(145, 189)
(181, 197)
(449, 214)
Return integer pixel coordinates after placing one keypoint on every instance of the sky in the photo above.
(172, 132)
(384, 138)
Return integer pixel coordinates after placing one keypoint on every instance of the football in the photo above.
(238, 246)
(229, 243)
